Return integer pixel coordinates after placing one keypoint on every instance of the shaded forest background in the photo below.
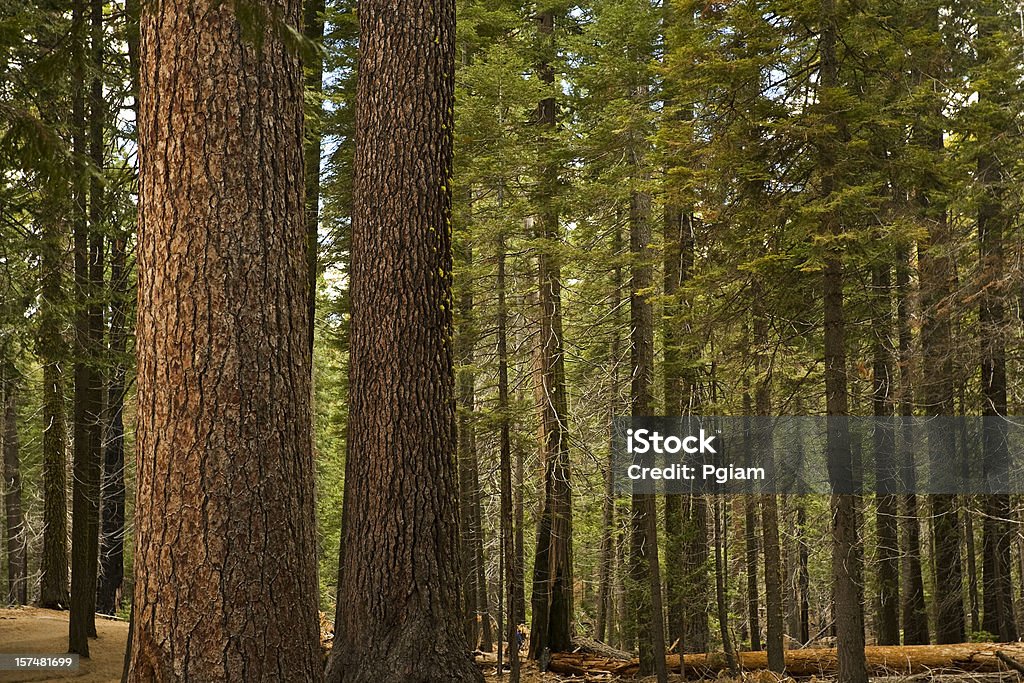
(748, 208)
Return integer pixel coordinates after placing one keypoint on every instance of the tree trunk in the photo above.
(17, 541)
(505, 456)
(605, 607)
(644, 567)
(846, 549)
(886, 507)
(804, 576)
(53, 588)
(398, 597)
(914, 610)
(936, 278)
(769, 503)
(720, 584)
(552, 598)
(112, 491)
(88, 248)
(993, 222)
(225, 572)
(469, 483)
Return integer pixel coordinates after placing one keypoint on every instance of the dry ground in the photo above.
(29, 630)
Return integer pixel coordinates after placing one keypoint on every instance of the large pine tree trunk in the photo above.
(225, 569)
(399, 617)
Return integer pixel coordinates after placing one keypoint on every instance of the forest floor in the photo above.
(30, 630)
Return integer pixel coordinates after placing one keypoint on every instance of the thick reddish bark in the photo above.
(399, 618)
(225, 555)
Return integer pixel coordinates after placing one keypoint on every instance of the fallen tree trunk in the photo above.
(881, 661)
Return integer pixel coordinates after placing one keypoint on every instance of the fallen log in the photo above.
(881, 661)
(585, 645)
(583, 664)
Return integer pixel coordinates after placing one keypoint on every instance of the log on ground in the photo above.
(881, 661)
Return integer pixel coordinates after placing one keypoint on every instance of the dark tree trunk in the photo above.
(846, 549)
(993, 222)
(398, 598)
(605, 606)
(505, 447)
(644, 567)
(519, 569)
(53, 588)
(769, 504)
(14, 528)
(886, 509)
(112, 491)
(552, 598)
(88, 401)
(112, 488)
(469, 482)
(753, 592)
(804, 577)
(914, 610)
(721, 571)
(225, 570)
(936, 278)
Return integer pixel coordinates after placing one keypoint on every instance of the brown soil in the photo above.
(29, 630)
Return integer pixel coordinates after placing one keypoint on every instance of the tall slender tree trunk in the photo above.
(750, 526)
(936, 278)
(112, 490)
(469, 483)
(88, 248)
(721, 572)
(398, 598)
(803, 576)
(769, 503)
(605, 605)
(53, 585)
(644, 567)
(14, 527)
(914, 610)
(993, 222)
(519, 569)
(225, 501)
(505, 456)
(552, 598)
(846, 549)
(886, 506)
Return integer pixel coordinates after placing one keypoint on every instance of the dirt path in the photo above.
(29, 630)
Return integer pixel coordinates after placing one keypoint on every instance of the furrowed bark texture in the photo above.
(225, 555)
(399, 618)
